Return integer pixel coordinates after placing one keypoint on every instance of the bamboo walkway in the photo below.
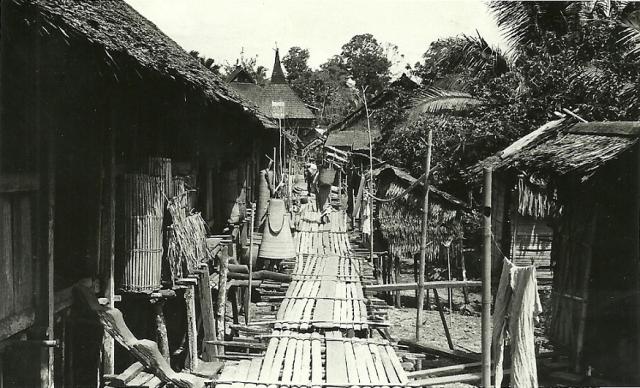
(313, 342)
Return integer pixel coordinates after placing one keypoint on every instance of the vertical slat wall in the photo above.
(17, 269)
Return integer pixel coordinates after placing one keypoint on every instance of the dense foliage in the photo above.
(335, 88)
(561, 63)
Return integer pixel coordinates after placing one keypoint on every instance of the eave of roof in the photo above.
(120, 30)
(561, 147)
(409, 179)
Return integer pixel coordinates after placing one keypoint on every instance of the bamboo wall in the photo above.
(17, 251)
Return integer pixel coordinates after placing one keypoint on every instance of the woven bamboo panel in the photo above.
(139, 258)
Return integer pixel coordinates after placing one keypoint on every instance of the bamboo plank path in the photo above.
(316, 360)
(308, 346)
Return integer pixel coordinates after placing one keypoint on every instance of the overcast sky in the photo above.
(221, 29)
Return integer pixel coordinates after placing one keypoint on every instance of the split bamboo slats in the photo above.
(323, 303)
(316, 360)
(161, 168)
(140, 233)
(325, 292)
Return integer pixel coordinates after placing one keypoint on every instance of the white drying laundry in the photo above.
(515, 314)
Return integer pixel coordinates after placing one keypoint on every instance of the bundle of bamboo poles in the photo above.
(140, 233)
(187, 246)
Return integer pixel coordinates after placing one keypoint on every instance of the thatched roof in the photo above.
(120, 31)
(354, 140)
(561, 147)
(407, 180)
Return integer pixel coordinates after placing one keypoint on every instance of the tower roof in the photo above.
(277, 76)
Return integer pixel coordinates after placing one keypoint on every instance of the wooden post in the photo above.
(247, 308)
(425, 227)
(396, 268)
(636, 245)
(47, 222)
(486, 283)
(366, 108)
(192, 331)
(449, 291)
(222, 299)
(161, 328)
(464, 273)
(108, 356)
(206, 311)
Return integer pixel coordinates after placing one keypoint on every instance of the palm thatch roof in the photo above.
(121, 32)
(405, 179)
(353, 140)
(561, 147)
(401, 218)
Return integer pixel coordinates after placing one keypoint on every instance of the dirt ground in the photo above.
(464, 320)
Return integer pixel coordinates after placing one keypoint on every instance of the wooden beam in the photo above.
(466, 377)
(12, 183)
(444, 369)
(427, 285)
(610, 128)
(453, 354)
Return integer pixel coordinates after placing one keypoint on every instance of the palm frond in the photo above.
(479, 55)
(435, 100)
(631, 32)
(517, 20)
(527, 22)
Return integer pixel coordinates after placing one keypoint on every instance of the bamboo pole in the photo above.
(425, 225)
(486, 283)
(108, 344)
(247, 309)
(636, 232)
(366, 107)
(444, 321)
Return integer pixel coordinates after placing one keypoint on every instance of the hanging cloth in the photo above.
(366, 224)
(358, 202)
(515, 314)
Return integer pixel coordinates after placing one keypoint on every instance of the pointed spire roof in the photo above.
(277, 76)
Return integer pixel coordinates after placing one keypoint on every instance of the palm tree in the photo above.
(631, 32)
(435, 100)
(209, 63)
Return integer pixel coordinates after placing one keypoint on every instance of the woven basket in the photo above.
(277, 241)
(327, 176)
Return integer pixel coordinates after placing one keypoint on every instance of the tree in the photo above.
(257, 72)
(564, 62)
(299, 75)
(295, 63)
(366, 63)
(209, 63)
